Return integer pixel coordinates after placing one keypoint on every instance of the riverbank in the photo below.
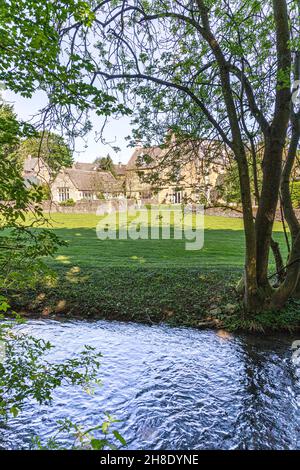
(150, 281)
(178, 297)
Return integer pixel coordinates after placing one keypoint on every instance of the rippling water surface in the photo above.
(174, 388)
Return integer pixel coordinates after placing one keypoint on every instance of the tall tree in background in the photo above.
(50, 147)
(10, 130)
(214, 68)
(106, 164)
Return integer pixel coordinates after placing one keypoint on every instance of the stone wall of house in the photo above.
(218, 211)
(91, 207)
(81, 207)
(63, 181)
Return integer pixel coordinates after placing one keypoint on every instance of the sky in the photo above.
(114, 133)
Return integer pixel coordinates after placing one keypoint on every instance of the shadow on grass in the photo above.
(147, 281)
(222, 249)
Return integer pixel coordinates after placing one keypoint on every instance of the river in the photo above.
(174, 388)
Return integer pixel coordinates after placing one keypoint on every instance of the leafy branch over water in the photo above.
(26, 375)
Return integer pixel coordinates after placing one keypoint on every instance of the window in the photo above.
(177, 197)
(89, 195)
(63, 194)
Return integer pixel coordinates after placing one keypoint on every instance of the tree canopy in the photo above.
(217, 70)
(33, 58)
(106, 164)
(50, 147)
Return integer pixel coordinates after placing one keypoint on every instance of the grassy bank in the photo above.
(149, 280)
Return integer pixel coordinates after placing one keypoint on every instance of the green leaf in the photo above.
(120, 438)
(98, 444)
(14, 411)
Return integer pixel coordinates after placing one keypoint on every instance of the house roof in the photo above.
(210, 150)
(91, 180)
(85, 166)
(84, 176)
(120, 169)
(153, 152)
(31, 164)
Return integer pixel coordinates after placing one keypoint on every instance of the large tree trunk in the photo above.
(258, 293)
(252, 299)
(275, 137)
(267, 208)
(287, 204)
(274, 147)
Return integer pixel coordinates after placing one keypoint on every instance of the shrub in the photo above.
(46, 192)
(68, 203)
(295, 193)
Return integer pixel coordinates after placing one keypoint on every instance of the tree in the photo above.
(22, 373)
(21, 244)
(50, 147)
(9, 130)
(106, 164)
(209, 67)
(30, 60)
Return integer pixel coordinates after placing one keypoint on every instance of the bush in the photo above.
(46, 192)
(295, 193)
(68, 203)
(40, 191)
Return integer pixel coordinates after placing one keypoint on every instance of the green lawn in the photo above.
(223, 246)
(142, 280)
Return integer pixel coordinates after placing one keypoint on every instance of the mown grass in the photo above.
(149, 280)
(223, 246)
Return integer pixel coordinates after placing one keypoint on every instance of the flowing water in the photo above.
(174, 388)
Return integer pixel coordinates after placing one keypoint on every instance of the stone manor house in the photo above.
(197, 174)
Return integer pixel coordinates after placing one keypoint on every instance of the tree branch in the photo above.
(186, 90)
